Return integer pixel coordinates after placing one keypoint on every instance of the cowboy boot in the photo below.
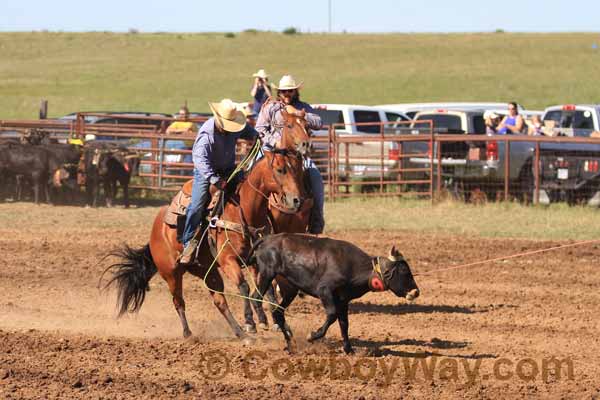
(189, 252)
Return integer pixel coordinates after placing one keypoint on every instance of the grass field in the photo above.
(501, 220)
(156, 72)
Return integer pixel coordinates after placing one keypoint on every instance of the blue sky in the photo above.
(308, 15)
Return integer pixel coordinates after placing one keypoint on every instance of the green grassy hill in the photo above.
(156, 72)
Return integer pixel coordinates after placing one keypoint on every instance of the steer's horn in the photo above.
(395, 255)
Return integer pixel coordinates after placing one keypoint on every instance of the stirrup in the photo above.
(187, 255)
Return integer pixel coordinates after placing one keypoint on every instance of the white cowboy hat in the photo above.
(288, 82)
(227, 116)
(490, 115)
(261, 74)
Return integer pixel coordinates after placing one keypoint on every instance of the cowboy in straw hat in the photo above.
(261, 90)
(214, 160)
(269, 124)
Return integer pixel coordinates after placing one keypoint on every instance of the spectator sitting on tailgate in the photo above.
(535, 127)
(492, 120)
(513, 123)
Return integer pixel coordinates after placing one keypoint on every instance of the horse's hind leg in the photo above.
(175, 282)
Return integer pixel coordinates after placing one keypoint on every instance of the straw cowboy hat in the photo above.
(227, 116)
(261, 74)
(288, 82)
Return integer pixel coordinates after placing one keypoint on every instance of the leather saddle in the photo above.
(176, 213)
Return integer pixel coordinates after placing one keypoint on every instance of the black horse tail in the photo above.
(131, 277)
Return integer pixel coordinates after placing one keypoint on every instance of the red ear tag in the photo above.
(377, 284)
(126, 167)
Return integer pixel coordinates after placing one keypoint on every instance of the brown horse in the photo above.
(279, 172)
(282, 218)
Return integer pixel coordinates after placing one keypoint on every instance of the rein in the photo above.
(274, 203)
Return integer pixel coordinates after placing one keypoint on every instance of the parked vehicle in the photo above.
(361, 160)
(568, 171)
(571, 171)
(411, 109)
(453, 154)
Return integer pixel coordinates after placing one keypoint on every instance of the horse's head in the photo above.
(285, 178)
(294, 134)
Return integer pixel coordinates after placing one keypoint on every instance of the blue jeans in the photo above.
(197, 208)
(317, 218)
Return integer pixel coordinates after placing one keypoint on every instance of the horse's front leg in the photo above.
(232, 270)
(216, 287)
(257, 304)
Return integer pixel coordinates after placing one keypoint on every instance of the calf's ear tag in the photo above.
(376, 284)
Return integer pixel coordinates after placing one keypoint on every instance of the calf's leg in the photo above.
(278, 314)
(343, 321)
(328, 301)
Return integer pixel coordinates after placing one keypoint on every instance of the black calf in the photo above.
(334, 271)
(106, 164)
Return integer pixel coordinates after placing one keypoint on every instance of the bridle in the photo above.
(285, 153)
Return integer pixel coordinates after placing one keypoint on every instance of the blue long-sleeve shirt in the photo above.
(214, 152)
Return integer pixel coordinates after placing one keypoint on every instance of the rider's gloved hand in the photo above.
(220, 184)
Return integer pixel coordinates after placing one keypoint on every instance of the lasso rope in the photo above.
(527, 253)
(228, 242)
(250, 157)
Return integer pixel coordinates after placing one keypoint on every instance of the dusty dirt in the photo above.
(481, 332)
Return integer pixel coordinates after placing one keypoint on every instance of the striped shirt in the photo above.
(270, 121)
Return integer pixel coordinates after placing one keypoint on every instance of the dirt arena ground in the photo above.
(488, 332)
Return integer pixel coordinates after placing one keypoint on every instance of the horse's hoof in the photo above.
(187, 334)
(263, 326)
(290, 349)
(248, 341)
(312, 337)
(248, 328)
(275, 328)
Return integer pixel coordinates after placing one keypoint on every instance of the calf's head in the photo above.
(397, 276)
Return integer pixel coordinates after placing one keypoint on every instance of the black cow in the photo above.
(106, 164)
(32, 162)
(42, 165)
(334, 271)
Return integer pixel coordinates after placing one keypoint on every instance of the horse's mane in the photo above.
(247, 172)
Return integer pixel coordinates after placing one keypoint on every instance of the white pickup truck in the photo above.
(363, 159)
(571, 171)
(568, 171)
(411, 109)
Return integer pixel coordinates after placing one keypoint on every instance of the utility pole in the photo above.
(329, 16)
